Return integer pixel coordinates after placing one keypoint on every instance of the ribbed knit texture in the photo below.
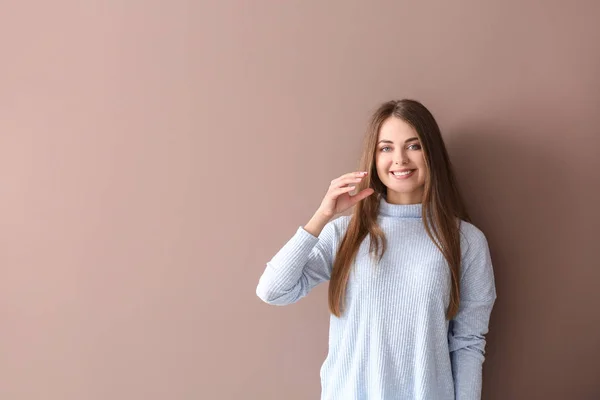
(393, 341)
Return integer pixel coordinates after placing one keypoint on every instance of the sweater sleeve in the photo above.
(466, 335)
(300, 265)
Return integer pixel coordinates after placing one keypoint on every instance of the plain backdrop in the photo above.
(154, 155)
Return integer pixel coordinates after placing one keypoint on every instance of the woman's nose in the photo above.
(402, 159)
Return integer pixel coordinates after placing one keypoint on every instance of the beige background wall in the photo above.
(154, 155)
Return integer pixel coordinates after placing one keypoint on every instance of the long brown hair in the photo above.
(442, 209)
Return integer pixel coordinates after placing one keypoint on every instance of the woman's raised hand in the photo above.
(338, 199)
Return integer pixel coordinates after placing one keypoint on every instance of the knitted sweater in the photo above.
(392, 340)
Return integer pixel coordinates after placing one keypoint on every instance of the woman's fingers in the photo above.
(347, 179)
(339, 191)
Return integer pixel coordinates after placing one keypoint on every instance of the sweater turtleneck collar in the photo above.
(400, 210)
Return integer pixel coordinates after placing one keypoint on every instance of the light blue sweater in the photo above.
(392, 341)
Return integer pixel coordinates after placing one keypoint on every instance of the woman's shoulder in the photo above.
(333, 232)
(471, 236)
(339, 225)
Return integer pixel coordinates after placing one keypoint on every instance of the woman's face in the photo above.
(399, 149)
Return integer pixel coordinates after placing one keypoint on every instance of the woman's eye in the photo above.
(412, 147)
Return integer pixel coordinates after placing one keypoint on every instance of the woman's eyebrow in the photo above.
(406, 141)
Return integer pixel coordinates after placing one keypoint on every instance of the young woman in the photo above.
(411, 283)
